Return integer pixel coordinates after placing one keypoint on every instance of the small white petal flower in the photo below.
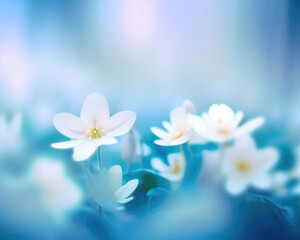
(178, 131)
(175, 169)
(129, 147)
(245, 165)
(94, 128)
(60, 194)
(220, 124)
(110, 193)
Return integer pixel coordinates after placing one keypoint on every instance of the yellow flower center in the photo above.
(176, 168)
(223, 131)
(94, 133)
(180, 134)
(243, 166)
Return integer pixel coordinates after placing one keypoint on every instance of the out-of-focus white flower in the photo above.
(245, 165)
(129, 147)
(132, 147)
(220, 124)
(94, 128)
(175, 170)
(178, 131)
(59, 193)
(109, 192)
(10, 133)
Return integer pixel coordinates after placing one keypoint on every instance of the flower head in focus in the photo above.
(245, 165)
(94, 128)
(178, 131)
(221, 124)
(175, 169)
(110, 194)
(60, 194)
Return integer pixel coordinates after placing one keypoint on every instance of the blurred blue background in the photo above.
(147, 56)
(54, 53)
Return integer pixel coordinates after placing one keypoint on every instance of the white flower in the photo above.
(10, 133)
(220, 124)
(59, 193)
(175, 170)
(94, 128)
(178, 131)
(245, 165)
(110, 193)
(129, 147)
(132, 148)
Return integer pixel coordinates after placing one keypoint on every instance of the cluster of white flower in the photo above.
(240, 165)
(238, 162)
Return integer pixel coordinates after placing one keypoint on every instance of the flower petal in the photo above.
(179, 118)
(84, 151)
(125, 200)
(163, 142)
(95, 111)
(69, 125)
(69, 144)
(268, 157)
(237, 119)
(159, 165)
(235, 186)
(249, 126)
(181, 140)
(120, 123)
(159, 132)
(226, 112)
(167, 126)
(126, 190)
(199, 126)
(115, 178)
(104, 140)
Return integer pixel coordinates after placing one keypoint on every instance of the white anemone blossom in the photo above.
(109, 192)
(178, 131)
(59, 193)
(245, 165)
(94, 128)
(221, 124)
(175, 169)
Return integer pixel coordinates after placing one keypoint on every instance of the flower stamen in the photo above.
(94, 133)
(243, 166)
(176, 168)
